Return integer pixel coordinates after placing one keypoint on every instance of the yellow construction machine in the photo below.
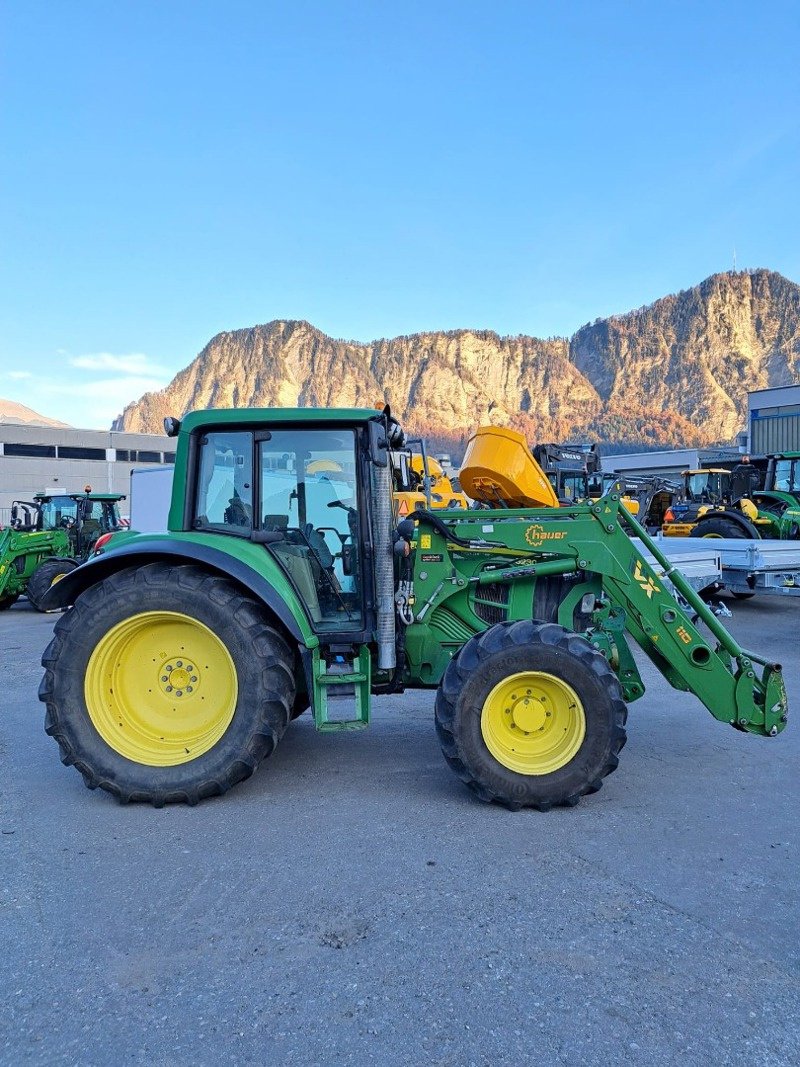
(421, 482)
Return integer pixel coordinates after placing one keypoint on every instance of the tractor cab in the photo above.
(783, 473)
(295, 491)
(85, 517)
(711, 486)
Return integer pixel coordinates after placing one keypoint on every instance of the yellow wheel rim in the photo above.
(708, 536)
(533, 722)
(161, 688)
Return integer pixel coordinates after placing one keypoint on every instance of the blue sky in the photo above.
(173, 169)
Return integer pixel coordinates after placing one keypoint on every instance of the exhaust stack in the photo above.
(381, 491)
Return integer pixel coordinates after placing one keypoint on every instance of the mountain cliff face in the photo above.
(674, 373)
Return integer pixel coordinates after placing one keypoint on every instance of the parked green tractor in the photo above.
(48, 537)
(285, 580)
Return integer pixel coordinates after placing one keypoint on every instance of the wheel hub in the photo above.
(178, 678)
(527, 713)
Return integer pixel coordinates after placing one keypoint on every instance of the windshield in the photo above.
(59, 512)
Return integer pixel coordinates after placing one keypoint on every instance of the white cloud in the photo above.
(97, 403)
(132, 363)
(74, 394)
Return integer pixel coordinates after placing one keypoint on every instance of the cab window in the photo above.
(224, 496)
(309, 502)
(787, 475)
(60, 512)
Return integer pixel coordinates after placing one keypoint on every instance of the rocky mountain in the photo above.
(674, 373)
(11, 411)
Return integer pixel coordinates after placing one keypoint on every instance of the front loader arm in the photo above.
(591, 540)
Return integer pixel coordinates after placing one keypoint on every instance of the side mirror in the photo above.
(378, 443)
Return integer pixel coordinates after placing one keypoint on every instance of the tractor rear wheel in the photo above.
(530, 714)
(166, 684)
(43, 577)
(718, 528)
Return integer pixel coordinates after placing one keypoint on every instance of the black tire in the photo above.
(718, 528)
(300, 705)
(264, 666)
(7, 601)
(743, 596)
(504, 650)
(43, 577)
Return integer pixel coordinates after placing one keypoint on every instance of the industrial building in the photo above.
(60, 458)
(774, 420)
(671, 463)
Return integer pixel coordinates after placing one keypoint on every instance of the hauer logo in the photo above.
(536, 535)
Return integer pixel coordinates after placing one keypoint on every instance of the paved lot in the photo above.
(352, 904)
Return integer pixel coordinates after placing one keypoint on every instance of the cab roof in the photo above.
(80, 496)
(709, 470)
(246, 416)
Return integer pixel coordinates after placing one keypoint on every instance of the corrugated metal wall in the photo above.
(774, 433)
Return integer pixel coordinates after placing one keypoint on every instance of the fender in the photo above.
(145, 550)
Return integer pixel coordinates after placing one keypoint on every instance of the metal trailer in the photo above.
(750, 566)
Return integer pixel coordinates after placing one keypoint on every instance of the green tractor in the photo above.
(722, 503)
(48, 537)
(284, 582)
(783, 474)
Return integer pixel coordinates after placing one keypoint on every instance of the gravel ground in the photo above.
(353, 904)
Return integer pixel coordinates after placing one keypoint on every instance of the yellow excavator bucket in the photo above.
(498, 466)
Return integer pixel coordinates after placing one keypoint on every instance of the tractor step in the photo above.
(342, 691)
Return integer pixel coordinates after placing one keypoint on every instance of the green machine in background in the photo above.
(285, 581)
(48, 537)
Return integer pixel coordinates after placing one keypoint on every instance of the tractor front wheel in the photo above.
(166, 684)
(52, 570)
(530, 714)
(7, 601)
